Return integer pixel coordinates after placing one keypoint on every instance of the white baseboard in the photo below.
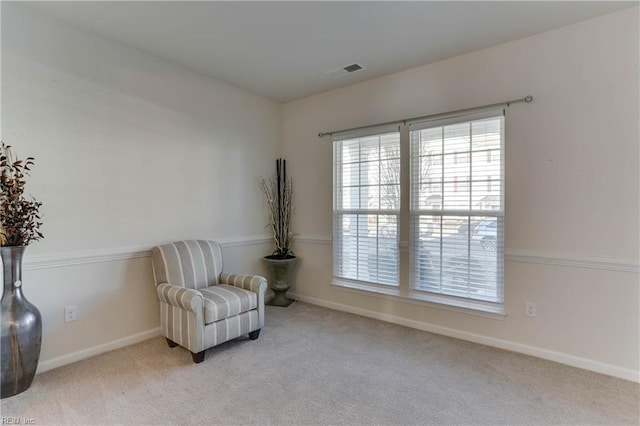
(50, 364)
(562, 358)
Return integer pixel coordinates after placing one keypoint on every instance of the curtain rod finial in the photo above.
(528, 98)
(321, 135)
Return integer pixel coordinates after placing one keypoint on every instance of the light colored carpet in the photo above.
(316, 366)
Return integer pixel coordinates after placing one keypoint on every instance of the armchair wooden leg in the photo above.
(171, 343)
(254, 334)
(198, 358)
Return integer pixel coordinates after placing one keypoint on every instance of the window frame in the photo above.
(339, 211)
(405, 291)
(416, 213)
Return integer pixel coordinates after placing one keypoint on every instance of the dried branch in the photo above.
(19, 217)
(278, 192)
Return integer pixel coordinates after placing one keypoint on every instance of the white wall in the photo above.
(130, 151)
(572, 188)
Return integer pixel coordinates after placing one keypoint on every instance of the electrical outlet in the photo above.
(530, 309)
(70, 313)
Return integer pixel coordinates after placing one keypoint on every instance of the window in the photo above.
(452, 222)
(457, 246)
(367, 207)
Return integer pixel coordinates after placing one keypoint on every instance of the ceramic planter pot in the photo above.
(280, 278)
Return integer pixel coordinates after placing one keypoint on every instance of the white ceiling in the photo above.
(282, 50)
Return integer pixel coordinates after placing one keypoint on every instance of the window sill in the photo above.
(436, 301)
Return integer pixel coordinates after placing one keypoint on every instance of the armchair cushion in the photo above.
(224, 301)
(193, 263)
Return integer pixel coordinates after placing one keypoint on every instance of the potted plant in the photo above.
(20, 323)
(278, 192)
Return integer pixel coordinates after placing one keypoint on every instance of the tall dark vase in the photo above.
(21, 326)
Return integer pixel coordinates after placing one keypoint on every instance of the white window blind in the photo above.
(366, 206)
(457, 207)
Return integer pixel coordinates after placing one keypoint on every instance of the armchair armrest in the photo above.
(254, 283)
(184, 298)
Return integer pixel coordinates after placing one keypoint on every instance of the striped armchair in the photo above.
(201, 307)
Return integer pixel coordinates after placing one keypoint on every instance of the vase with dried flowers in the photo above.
(21, 322)
(278, 192)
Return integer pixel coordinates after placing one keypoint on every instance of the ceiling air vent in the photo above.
(342, 71)
(352, 68)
